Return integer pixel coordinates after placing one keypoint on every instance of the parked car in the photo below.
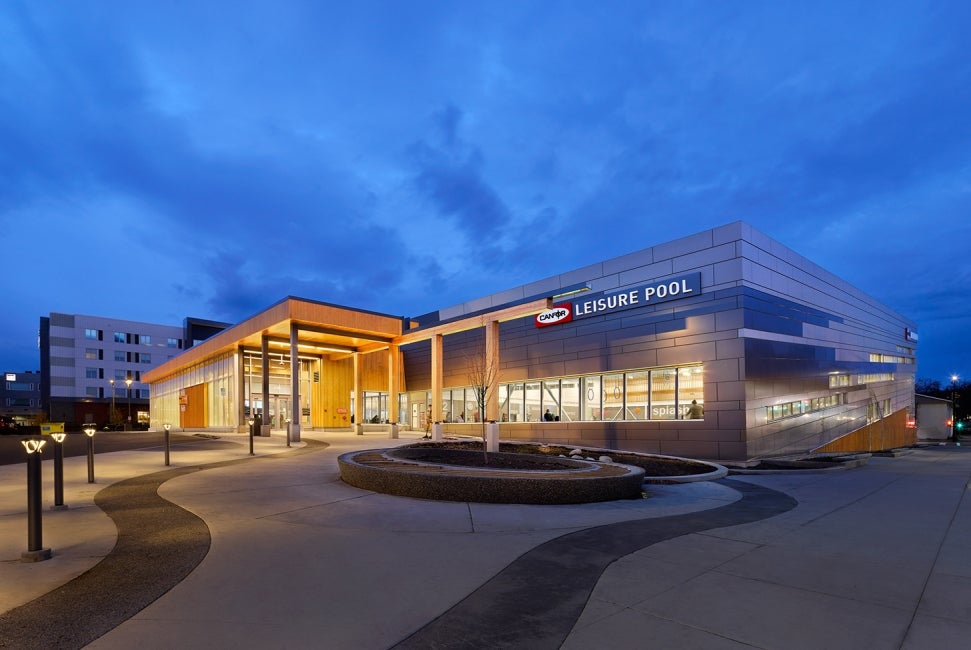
(8, 425)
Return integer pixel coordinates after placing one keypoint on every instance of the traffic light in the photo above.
(959, 425)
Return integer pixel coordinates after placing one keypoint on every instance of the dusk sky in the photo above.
(168, 159)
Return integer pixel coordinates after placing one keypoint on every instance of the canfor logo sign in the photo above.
(558, 314)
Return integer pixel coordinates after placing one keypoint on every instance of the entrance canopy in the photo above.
(320, 328)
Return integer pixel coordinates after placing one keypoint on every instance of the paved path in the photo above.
(874, 557)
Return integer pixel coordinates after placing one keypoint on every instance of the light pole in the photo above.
(35, 544)
(166, 426)
(128, 382)
(58, 471)
(954, 414)
(111, 416)
(89, 432)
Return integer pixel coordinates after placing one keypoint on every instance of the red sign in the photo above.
(556, 315)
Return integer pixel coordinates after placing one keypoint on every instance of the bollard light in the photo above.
(166, 426)
(89, 432)
(58, 471)
(288, 432)
(251, 423)
(35, 544)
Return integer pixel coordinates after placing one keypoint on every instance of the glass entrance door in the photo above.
(281, 411)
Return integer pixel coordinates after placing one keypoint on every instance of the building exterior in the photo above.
(723, 345)
(91, 366)
(20, 400)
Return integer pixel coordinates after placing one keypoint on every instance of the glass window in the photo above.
(120, 356)
(119, 337)
(533, 402)
(120, 375)
(503, 399)
(172, 343)
(570, 399)
(691, 393)
(91, 334)
(446, 406)
(636, 396)
(91, 353)
(591, 398)
(472, 405)
(517, 397)
(145, 358)
(91, 391)
(458, 405)
(551, 400)
(662, 394)
(613, 397)
(91, 373)
(146, 339)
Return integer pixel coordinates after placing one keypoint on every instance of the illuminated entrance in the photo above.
(279, 396)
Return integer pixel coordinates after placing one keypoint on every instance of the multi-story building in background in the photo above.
(20, 397)
(91, 366)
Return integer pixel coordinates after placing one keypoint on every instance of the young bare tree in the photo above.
(482, 374)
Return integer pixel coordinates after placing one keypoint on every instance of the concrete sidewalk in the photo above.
(875, 556)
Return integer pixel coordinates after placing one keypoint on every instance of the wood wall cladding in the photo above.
(332, 393)
(889, 433)
(196, 407)
(334, 389)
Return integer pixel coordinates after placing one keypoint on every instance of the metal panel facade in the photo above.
(793, 357)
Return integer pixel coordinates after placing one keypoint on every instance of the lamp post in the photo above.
(35, 543)
(166, 426)
(58, 471)
(111, 416)
(954, 414)
(251, 423)
(128, 382)
(89, 432)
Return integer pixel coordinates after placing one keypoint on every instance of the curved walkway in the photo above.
(159, 544)
(540, 596)
(873, 557)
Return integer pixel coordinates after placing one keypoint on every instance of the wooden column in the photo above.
(394, 387)
(492, 370)
(437, 377)
(264, 353)
(358, 396)
(296, 411)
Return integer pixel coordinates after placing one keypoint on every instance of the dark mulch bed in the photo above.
(529, 456)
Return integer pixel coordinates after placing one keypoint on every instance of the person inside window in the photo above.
(548, 416)
(696, 411)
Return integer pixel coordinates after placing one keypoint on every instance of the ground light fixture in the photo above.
(35, 536)
(251, 423)
(288, 431)
(58, 471)
(166, 426)
(89, 432)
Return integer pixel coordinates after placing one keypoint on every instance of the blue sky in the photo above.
(163, 160)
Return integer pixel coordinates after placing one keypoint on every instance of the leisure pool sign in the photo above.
(598, 304)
